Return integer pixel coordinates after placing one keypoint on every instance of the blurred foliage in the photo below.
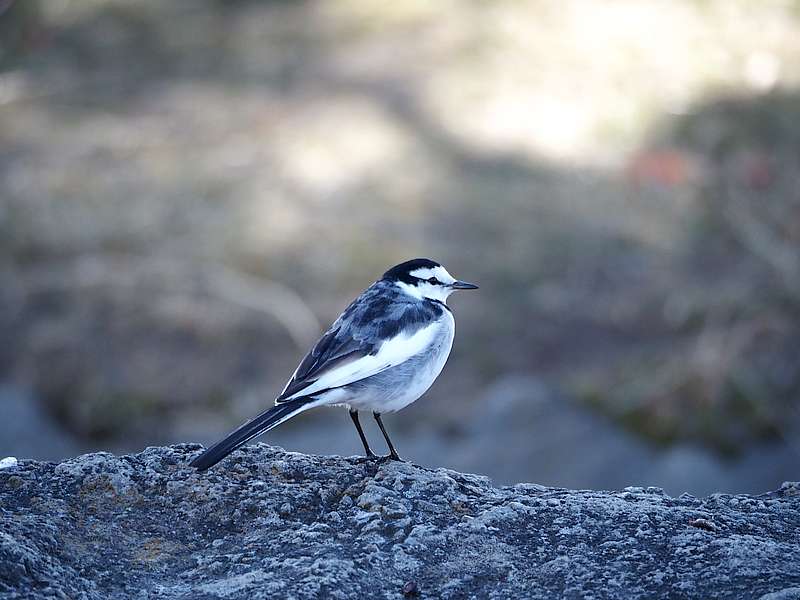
(20, 28)
(733, 373)
(187, 184)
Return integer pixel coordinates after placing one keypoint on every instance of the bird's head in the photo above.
(425, 278)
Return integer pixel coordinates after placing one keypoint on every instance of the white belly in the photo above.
(399, 386)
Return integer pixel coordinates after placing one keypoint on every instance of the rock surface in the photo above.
(272, 524)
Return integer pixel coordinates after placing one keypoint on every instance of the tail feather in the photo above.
(270, 418)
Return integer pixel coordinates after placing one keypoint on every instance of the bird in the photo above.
(380, 355)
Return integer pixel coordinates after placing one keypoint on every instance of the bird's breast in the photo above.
(399, 386)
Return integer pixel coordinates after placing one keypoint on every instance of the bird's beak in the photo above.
(463, 285)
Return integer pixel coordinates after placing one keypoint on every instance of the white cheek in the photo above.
(426, 290)
(434, 291)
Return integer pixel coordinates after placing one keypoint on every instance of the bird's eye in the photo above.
(434, 281)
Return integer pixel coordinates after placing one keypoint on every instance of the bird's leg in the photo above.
(367, 450)
(392, 452)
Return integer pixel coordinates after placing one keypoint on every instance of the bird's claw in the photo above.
(379, 458)
(388, 457)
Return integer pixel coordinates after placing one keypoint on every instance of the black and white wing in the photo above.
(380, 329)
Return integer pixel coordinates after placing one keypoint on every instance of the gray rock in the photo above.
(268, 523)
(787, 594)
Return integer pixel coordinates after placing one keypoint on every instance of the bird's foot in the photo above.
(369, 457)
(379, 458)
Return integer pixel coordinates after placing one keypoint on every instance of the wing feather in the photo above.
(379, 330)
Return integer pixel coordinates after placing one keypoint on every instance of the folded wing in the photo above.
(359, 364)
(369, 337)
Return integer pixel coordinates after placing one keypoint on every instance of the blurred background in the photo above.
(191, 191)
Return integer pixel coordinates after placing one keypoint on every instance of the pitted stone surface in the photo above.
(273, 524)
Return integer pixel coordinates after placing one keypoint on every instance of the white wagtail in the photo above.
(382, 353)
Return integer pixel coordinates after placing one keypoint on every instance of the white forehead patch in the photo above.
(439, 273)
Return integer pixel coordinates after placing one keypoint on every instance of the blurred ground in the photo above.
(192, 190)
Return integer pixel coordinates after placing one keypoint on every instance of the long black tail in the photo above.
(264, 422)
